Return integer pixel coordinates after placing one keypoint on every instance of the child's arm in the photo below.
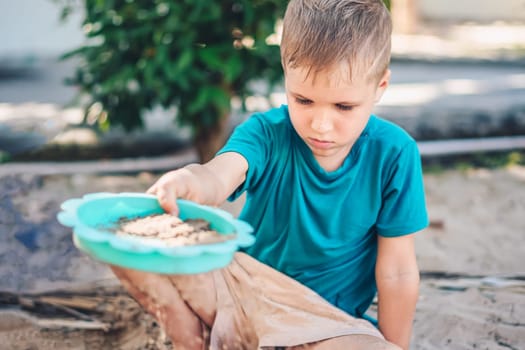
(209, 183)
(397, 278)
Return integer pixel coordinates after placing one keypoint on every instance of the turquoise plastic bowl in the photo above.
(91, 215)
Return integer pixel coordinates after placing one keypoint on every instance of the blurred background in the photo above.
(458, 72)
(107, 95)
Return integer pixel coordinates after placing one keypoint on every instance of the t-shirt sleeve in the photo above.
(251, 139)
(403, 210)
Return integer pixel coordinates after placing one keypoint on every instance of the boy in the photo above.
(333, 193)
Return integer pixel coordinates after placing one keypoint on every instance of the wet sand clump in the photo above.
(171, 230)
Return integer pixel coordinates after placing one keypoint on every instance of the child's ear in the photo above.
(383, 84)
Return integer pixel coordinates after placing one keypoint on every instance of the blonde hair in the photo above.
(320, 34)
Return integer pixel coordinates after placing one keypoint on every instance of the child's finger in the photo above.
(167, 200)
(152, 190)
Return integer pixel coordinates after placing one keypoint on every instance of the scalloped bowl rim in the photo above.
(138, 245)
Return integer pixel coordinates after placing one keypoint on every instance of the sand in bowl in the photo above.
(171, 230)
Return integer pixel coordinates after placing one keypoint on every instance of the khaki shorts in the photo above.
(247, 305)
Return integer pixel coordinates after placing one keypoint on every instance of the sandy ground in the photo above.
(473, 278)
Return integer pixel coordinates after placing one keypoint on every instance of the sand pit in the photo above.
(472, 291)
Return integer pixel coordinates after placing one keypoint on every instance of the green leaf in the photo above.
(232, 69)
(200, 101)
(220, 99)
(211, 57)
(184, 60)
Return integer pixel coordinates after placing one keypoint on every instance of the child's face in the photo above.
(330, 112)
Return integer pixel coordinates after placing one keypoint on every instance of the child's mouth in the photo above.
(321, 144)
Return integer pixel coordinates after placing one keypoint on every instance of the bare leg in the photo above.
(159, 296)
(349, 342)
(229, 329)
(199, 293)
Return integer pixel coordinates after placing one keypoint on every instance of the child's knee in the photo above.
(132, 280)
(159, 295)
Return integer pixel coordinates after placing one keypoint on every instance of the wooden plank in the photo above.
(426, 148)
(467, 146)
(133, 165)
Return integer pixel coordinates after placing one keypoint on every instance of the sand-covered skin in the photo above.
(475, 300)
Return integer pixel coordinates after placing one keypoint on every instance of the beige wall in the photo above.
(473, 10)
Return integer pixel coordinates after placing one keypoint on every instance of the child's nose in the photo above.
(321, 123)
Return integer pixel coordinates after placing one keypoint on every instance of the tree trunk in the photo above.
(208, 140)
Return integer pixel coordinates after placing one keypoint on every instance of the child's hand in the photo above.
(208, 184)
(172, 185)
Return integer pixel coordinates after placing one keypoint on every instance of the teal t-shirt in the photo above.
(320, 227)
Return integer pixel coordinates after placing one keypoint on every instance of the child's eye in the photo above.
(303, 101)
(344, 107)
